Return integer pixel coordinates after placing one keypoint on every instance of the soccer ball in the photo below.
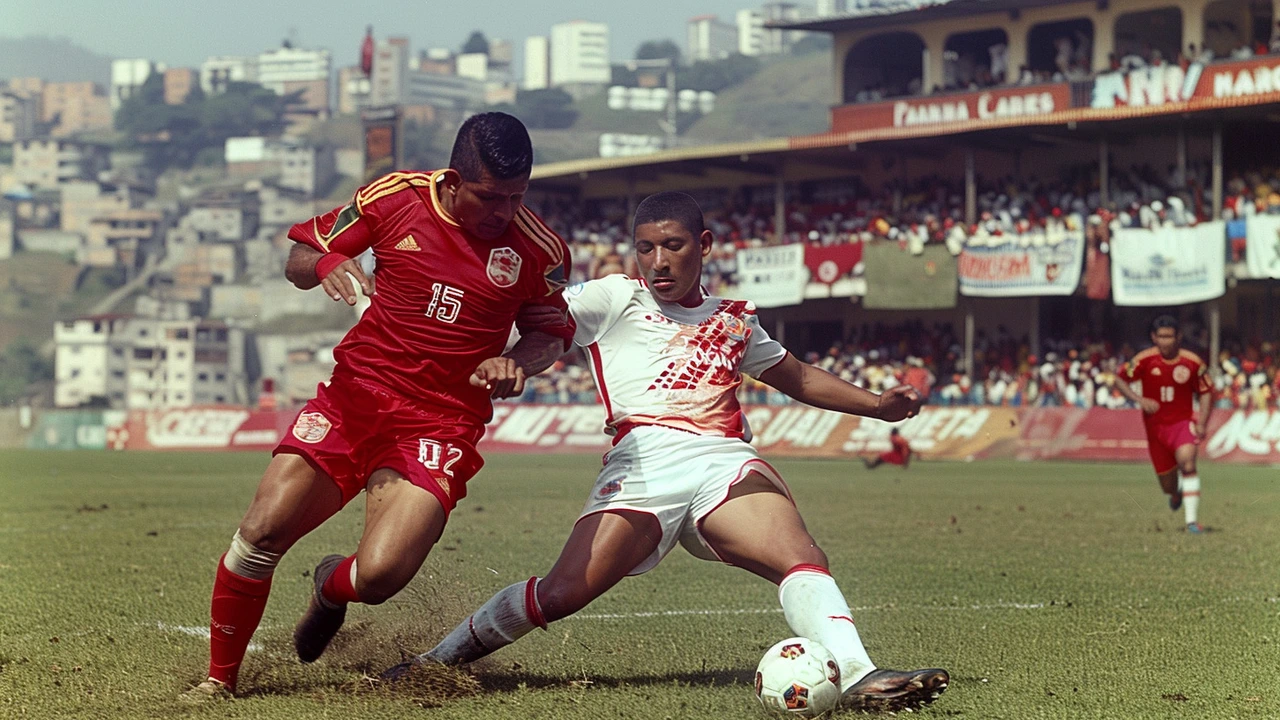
(798, 677)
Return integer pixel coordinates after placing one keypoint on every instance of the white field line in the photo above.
(769, 611)
(201, 632)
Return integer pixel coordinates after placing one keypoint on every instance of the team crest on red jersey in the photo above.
(504, 266)
(1181, 374)
(311, 427)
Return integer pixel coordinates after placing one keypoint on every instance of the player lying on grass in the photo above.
(900, 454)
(668, 361)
(457, 257)
(1170, 377)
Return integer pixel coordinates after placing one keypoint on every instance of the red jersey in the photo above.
(1172, 383)
(900, 444)
(444, 300)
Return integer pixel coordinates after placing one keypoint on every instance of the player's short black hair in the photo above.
(670, 205)
(495, 142)
(1164, 321)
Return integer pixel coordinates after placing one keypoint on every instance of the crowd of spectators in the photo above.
(923, 211)
(979, 67)
(1078, 373)
(1007, 371)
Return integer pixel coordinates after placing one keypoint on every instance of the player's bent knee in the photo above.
(559, 601)
(812, 555)
(261, 533)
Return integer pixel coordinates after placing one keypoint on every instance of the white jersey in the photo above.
(658, 363)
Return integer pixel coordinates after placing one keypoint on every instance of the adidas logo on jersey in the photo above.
(408, 243)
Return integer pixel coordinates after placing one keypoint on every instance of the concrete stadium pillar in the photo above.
(1104, 40)
(631, 202)
(1193, 24)
(969, 332)
(1181, 151)
(1017, 52)
(970, 188)
(780, 204)
(1104, 171)
(934, 63)
(1215, 337)
(1033, 332)
(1217, 171)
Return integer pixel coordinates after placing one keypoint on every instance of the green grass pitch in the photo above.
(1048, 590)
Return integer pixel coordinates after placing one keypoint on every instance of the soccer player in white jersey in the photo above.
(668, 361)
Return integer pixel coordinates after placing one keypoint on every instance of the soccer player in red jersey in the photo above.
(458, 256)
(899, 454)
(1171, 377)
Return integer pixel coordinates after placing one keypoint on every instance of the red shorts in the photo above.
(1164, 439)
(893, 457)
(353, 428)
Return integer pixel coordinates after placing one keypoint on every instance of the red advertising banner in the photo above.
(1235, 436)
(829, 263)
(939, 433)
(780, 431)
(1155, 90)
(966, 111)
(200, 428)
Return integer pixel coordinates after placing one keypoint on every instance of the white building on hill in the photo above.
(580, 54)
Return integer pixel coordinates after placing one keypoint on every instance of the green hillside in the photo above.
(40, 288)
(789, 96)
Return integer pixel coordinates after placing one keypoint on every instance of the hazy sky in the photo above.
(185, 32)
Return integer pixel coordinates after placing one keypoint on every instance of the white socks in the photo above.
(815, 609)
(504, 618)
(1190, 487)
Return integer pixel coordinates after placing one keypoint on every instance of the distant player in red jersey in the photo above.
(899, 454)
(458, 256)
(1170, 378)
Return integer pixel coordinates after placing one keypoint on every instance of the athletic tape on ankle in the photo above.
(247, 561)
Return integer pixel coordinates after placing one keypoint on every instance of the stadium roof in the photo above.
(900, 13)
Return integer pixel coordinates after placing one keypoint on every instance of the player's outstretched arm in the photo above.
(819, 388)
(504, 376)
(1147, 404)
(1200, 428)
(304, 270)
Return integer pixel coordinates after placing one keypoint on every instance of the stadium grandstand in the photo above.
(1006, 195)
(1008, 191)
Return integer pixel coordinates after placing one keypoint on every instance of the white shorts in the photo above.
(679, 478)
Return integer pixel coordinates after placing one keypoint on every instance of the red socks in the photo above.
(235, 612)
(338, 588)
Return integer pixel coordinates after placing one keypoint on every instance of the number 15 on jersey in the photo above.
(446, 302)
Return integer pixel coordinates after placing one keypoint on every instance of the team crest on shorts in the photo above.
(1181, 374)
(311, 427)
(504, 266)
(609, 489)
